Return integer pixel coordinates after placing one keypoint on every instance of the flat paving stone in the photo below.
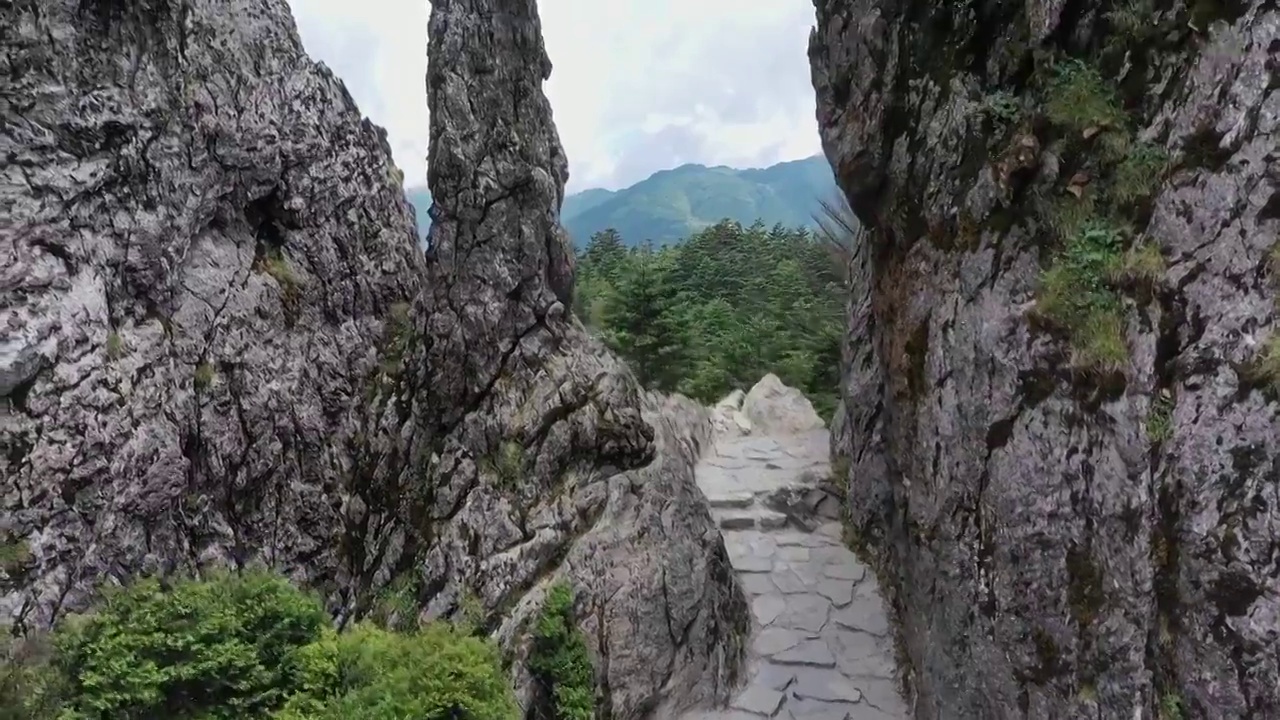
(820, 648)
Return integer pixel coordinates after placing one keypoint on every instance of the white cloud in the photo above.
(637, 85)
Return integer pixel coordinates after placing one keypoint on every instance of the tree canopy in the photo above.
(720, 310)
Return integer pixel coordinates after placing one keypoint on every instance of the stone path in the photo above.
(820, 648)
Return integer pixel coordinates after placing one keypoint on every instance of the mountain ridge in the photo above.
(672, 204)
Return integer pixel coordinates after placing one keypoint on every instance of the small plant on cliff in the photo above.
(1142, 263)
(506, 463)
(1160, 418)
(115, 346)
(1265, 367)
(1139, 174)
(203, 376)
(560, 661)
(1080, 100)
(14, 553)
(1076, 295)
(1002, 106)
(1171, 707)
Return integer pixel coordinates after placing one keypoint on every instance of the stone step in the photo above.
(753, 518)
(732, 500)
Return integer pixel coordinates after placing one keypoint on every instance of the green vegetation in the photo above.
(273, 262)
(1002, 106)
(1266, 366)
(204, 375)
(1171, 707)
(721, 310)
(1110, 176)
(1160, 419)
(246, 646)
(14, 553)
(115, 346)
(1080, 100)
(435, 673)
(1076, 294)
(1139, 174)
(560, 661)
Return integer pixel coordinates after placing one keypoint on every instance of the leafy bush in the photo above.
(244, 647)
(437, 673)
(222, 648)
(560, 661)
(30, 688)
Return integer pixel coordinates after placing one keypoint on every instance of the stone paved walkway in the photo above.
(820, 648)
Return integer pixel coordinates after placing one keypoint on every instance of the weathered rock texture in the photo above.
(222, 345)
(1061, 543)
(203, 247)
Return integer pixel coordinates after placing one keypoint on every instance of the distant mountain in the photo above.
(673, 204)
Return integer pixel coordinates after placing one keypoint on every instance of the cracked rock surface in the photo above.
(1054, 546)
(222, 345)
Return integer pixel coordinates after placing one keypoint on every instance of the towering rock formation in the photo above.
(221, 345)
(1060, 424)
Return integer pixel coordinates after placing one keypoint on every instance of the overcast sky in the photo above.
(637, 85)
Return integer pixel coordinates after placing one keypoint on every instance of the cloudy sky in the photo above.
(637, 86)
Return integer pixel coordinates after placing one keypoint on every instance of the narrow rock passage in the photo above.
(820, 647)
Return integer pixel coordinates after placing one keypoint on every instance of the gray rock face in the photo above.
(774, 408)
(222, 345)
(204, 248)
(1056, 543)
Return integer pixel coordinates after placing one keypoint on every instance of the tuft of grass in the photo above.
(1068, 215)
(1171, 707)
(1160, 418)
(1142, 263)
(506, 463)
(204, 375)
(1274, 260)
(115, 346)
(1076, 295)
(1266, 366)
(1133, 20)
(273, 263)
(1139, 174)
(14, 553)
(1099, 344)
(1080, 100)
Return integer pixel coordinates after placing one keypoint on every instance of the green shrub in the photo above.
(30, 688)
(1079, 99)
(437, 673)
(559, 659)
(227, 647)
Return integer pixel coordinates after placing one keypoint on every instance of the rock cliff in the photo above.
(222, 345)
(1060, 428)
